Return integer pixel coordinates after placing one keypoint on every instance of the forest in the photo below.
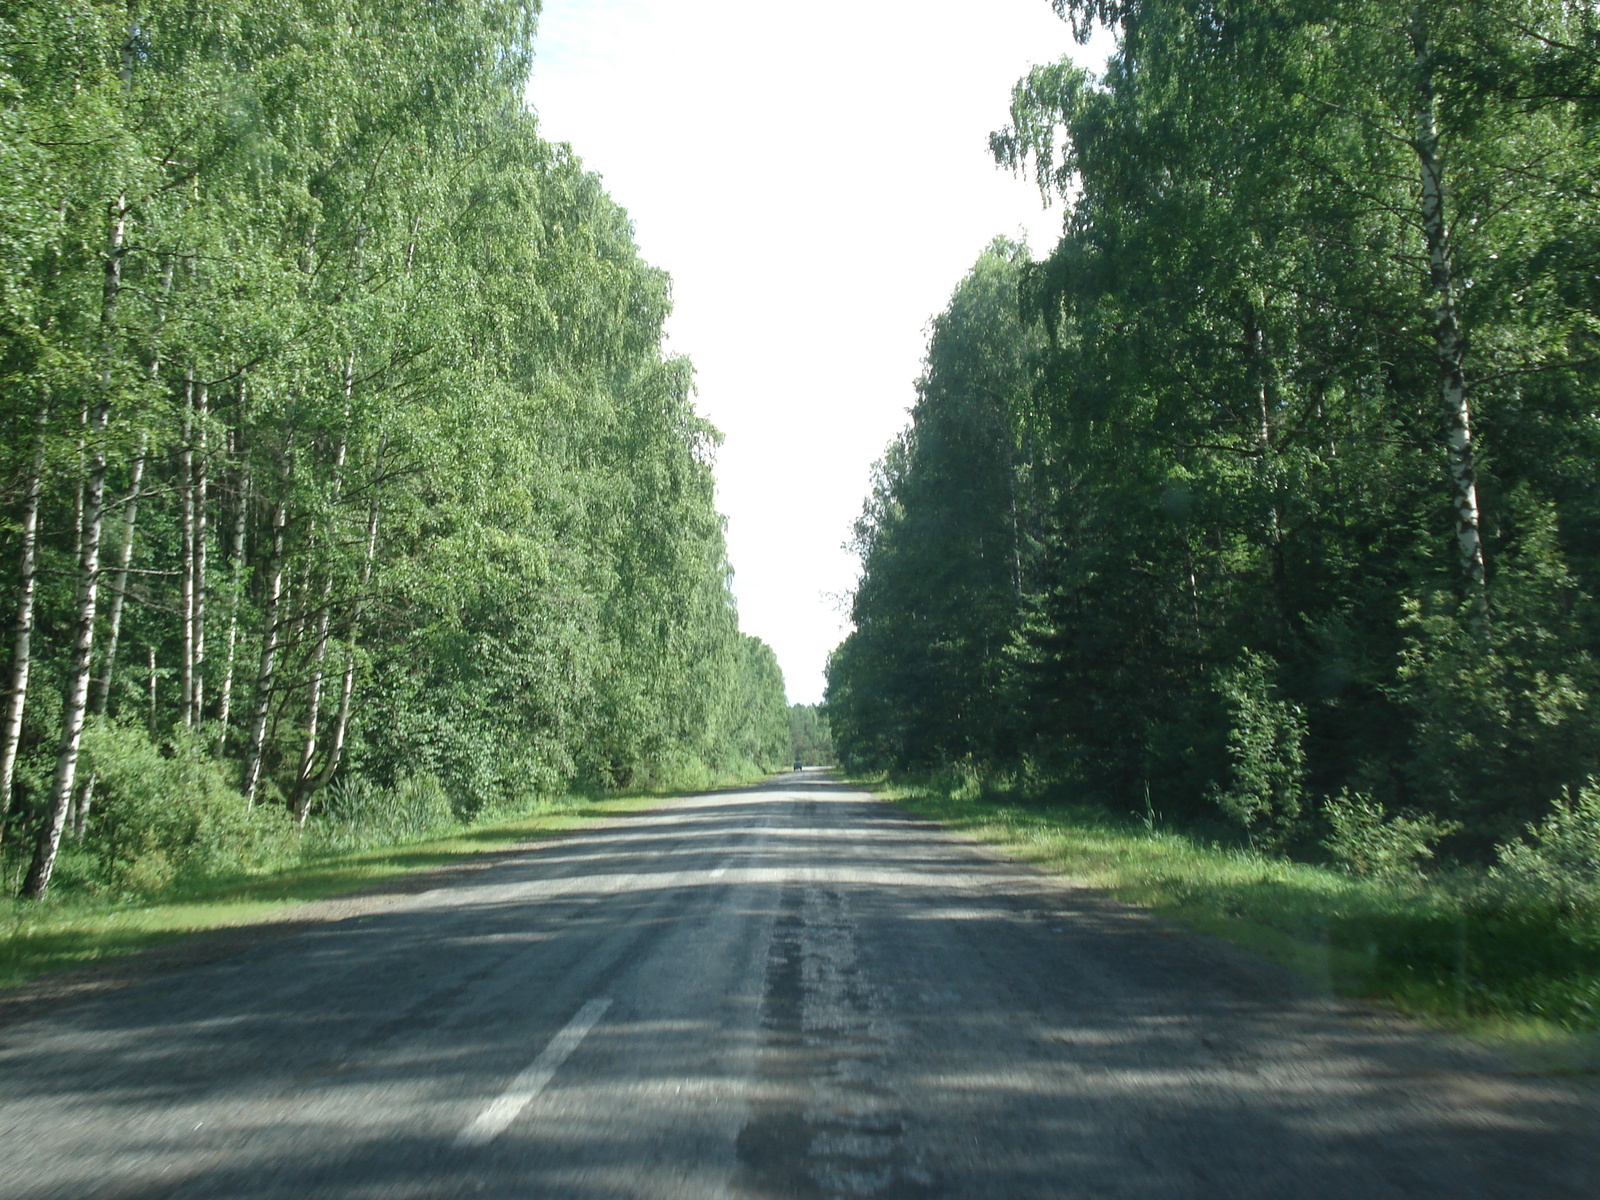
(1265, 503)
(342, 468)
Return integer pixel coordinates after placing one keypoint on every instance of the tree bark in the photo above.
(102, 688)
(150, 715)
(22, 627)
(1260, 372)
(1449, 345)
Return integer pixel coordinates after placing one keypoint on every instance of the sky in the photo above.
(816, 179)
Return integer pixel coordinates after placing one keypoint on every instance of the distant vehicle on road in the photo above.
(798, 765)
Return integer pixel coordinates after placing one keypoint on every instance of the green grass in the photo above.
(1526, 980)
(75, 927)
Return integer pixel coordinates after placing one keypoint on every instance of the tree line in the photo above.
(1271, 491)
(338, 436)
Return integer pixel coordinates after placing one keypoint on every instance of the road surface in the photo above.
(788, 991)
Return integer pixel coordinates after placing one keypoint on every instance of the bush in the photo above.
(1367, 841)
(1504, 712)
(166, 813)
(1557, 861)
(1267, 746)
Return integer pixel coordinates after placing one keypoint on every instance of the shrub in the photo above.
(1267, 745)
(1557, 861)
(1367, 841)
(166, 812)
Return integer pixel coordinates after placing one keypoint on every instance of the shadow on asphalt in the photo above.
(1003, 1036)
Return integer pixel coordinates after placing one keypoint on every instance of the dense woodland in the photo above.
(1270, 497)
(339, 454)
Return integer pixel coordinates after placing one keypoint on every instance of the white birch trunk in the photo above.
(304, 786)
(101, 699)
(270, 634)
(198, 693)
(1260, 370)
(119, 588)
(341, 724)
(186, 526)
(22, 627)
(1447, 340)
(235, 597)
(75, 701)
(130, 516)
(308, 750)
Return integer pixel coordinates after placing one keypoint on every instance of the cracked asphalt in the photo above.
(785, 991)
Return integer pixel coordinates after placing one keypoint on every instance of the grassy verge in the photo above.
(73, 928)
(1525, 981)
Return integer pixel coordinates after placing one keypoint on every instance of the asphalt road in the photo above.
(786, 991)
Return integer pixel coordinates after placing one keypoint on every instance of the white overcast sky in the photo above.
(816, 179)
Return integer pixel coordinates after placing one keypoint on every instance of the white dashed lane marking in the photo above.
(501, 1111)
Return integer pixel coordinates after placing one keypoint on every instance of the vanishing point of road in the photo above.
(786, 991)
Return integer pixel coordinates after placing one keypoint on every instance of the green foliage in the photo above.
(942, 542)
(356, 815)
(810, 738)
(1266, 743)
(400, 480)
(166, 813)
(1557, 861)
(1179, 511)
(1371, 843)
(1504, 710)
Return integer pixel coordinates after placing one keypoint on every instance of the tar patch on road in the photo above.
(831, 1125)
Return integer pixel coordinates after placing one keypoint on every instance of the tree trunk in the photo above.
(301, 801)
(130, 518)
(341, 724)
(305, 782)
(198, 695)
(1449, 347)
(236, 596)
(75, 702)
(22, 628)
(186, 537)
(119, 591)
(1259, 368)
(119, 588)
(270, 633)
